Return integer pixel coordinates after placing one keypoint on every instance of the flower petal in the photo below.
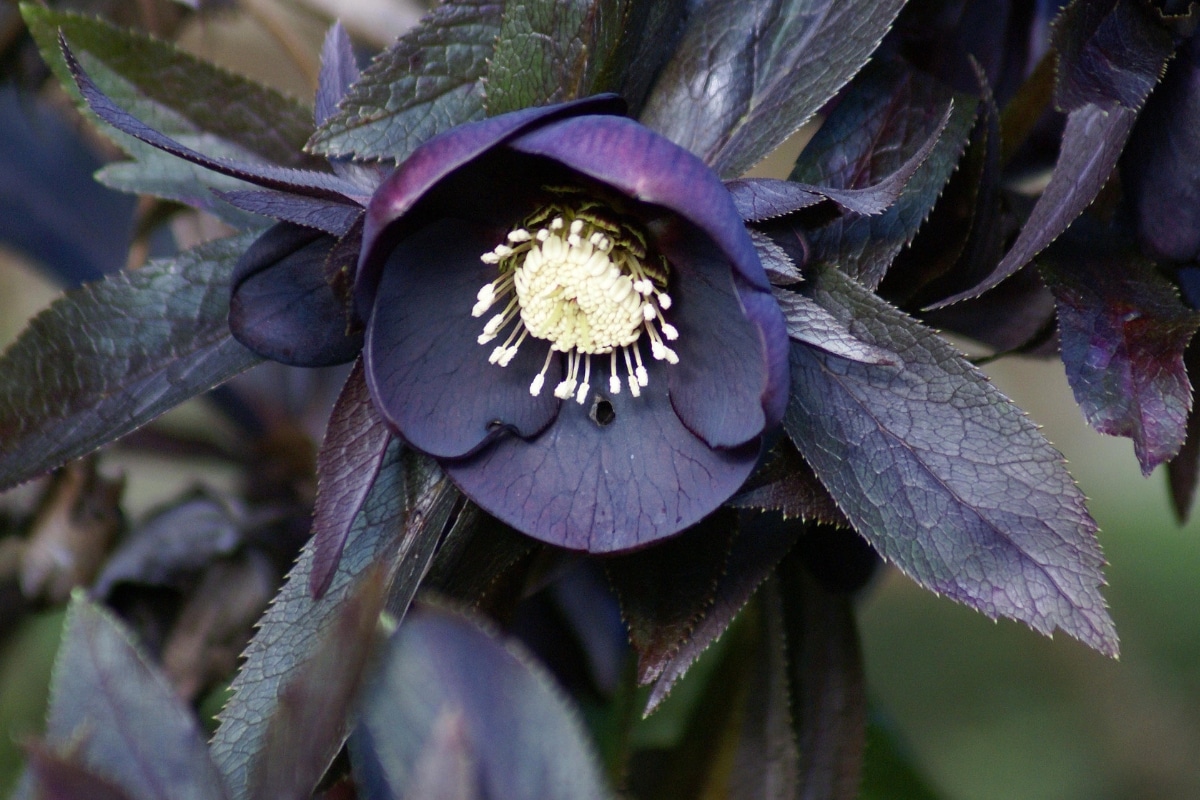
(429, 376)
(638, 162)
(605, 483)
(436, 159)
(283, 308)
(717, 388)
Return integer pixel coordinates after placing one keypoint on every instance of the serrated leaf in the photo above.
(544, 51)
(351, 455)
(1111, 56)
(215, 101)
(760, 544)
(777, 263)
(767, 763)
(885, 121)
(428, 82)
(1184, 469)
(114, 705)
(943, 475)
(1123, 330)
(310, 720)
(310, 183)
(827, 684)
(111, 356)
(748, 75)
(787, 484)
(665, 590)
(399, 523)
(453, 710)
(810, 323)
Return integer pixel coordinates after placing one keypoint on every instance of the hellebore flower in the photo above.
(565, 310)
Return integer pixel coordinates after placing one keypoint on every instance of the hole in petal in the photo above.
(602, 412)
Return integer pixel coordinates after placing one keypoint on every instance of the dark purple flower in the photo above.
(565, 309)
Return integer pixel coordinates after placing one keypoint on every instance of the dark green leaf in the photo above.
(549, 51)
(748, 75)
(109, 357)
(127, 723)
(943, 475)
(882, 122)
(428, 82)
(399, 523)
(455, 713)
(212, 100)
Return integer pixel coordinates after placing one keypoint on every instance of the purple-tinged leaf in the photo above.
(665, 590)
(333, 218)
(1109, 52)
(308, 724)
(113, 705)
(760, 199)
(449, 697)
(322, 185)
(1091, 143)
(963, 238)
(1159, 165)
(175, 543)
(1123, 330)
(759, 545)
(767, 761)
(339, 71)
(428, 82)
(943, 475)
(224, 105)
(349, 460)
(1108, 65)
(828, 691)
(1183, 470)
(777, 263)
(59, 777)
(475, 555)
(884, 123)
(786, 484)
(111, 356)
(747, 76)
(399, 523)
(632, 42)
(809, 323)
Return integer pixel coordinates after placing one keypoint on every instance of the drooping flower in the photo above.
(558, 304)
(565, 309)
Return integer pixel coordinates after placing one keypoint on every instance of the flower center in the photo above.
(587, 285)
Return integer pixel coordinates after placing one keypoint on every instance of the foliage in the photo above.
(492, 565)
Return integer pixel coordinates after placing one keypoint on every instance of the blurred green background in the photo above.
(993, 711)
